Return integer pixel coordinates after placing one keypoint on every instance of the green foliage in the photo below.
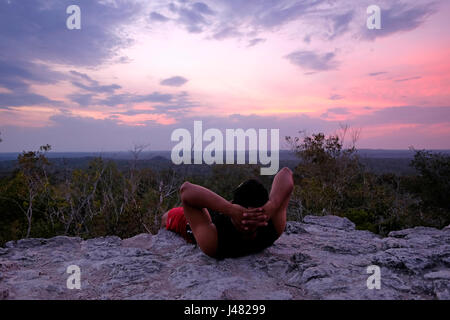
(432, 186)
(433, 180)
(331, 179)
(103, 199)
(98, 201)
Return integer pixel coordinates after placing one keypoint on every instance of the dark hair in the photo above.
(250, 193)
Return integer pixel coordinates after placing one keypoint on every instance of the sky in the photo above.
(137, 70)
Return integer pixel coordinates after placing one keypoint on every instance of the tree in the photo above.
(327, 171)
(331, 179)
(33, 169)
(432, 184)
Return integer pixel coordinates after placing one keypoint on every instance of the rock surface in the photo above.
(321, 258)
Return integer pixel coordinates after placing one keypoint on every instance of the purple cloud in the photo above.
(176, 81)
(255, 41)
(17, 74)
(374, 74)
(340, 24)
(313, 61)
(97, 88)
(404, 115)
(17, 77)
(408, 79)
(275, 13)
(202, 8)
(190, 17)
(18, 99)
(227, 32)
(126, 98)
(82, 99)
(335, 97)
(155, 16)
(37, 30)
(400, 17)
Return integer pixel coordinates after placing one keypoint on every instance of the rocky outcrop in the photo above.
(321, 258)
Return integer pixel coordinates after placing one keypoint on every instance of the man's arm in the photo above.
(282, 187)
(200, 197)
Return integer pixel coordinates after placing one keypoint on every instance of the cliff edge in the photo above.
(320, 258)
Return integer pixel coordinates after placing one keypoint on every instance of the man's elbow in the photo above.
(184, 191)
(290, 175)
(184, 187)
(286, 170)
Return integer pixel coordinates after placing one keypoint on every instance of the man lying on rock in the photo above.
(249, 223)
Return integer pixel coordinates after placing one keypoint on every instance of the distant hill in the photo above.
(375, 160)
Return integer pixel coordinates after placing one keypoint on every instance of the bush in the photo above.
(331, 179)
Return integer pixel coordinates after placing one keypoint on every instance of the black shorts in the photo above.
(231, 243)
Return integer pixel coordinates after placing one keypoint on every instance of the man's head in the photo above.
(250, 194)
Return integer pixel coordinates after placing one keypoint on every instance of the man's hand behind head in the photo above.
(248, 220)
(254, 218)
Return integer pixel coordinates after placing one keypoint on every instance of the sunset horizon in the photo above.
(135, 71)
(225, 157)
